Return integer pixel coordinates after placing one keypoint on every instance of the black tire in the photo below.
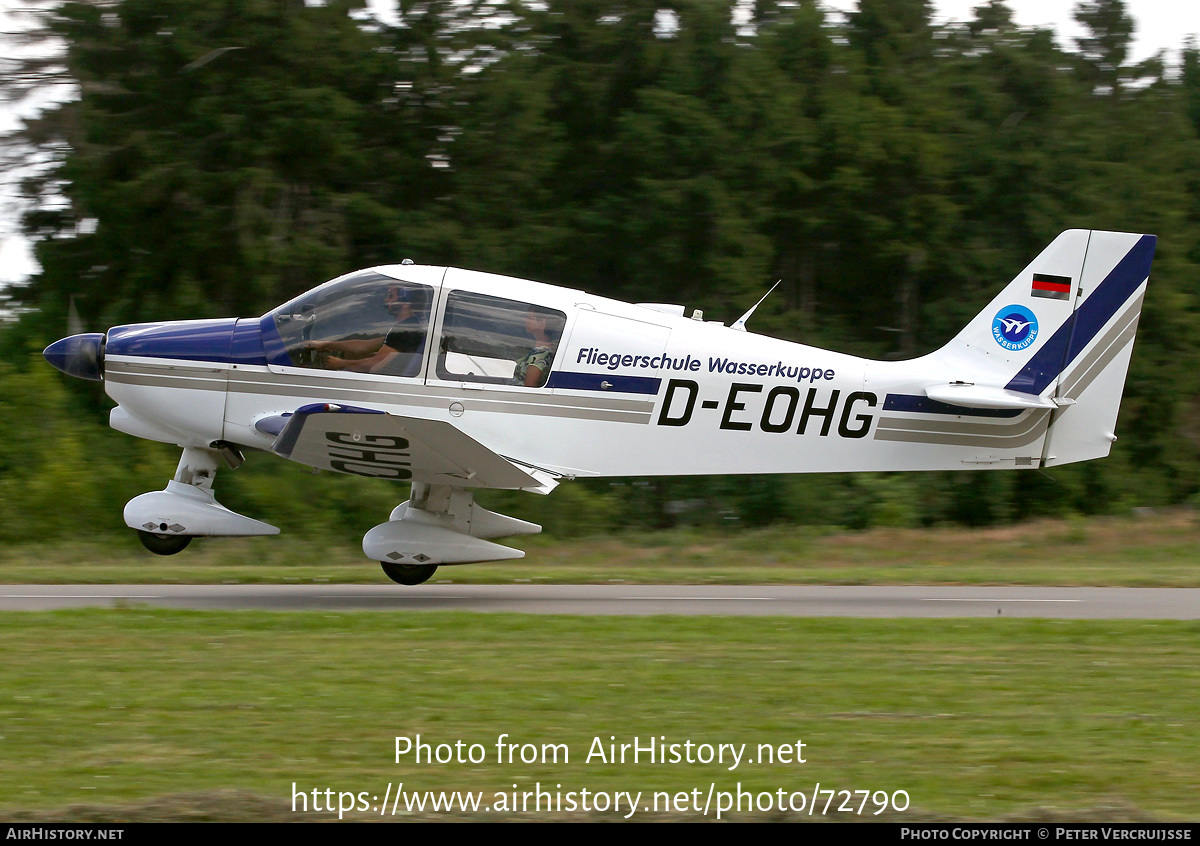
(403, 574)
(163, 544)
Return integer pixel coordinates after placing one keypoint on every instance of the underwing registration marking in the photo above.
(378, 456)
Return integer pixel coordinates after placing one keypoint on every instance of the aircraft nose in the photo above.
(81, 356)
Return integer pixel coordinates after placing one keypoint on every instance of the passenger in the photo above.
(545, 326)
(398, 353)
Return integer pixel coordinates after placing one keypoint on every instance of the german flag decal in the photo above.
(1051, 287)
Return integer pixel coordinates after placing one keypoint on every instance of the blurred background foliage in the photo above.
(221, 156)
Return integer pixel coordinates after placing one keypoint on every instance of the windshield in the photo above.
(365, 322)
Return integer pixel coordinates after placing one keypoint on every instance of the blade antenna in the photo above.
(740, 323)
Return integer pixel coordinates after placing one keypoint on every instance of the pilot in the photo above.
(398, 353)
(545, 326)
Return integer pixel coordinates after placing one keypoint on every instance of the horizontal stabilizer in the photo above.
(985, 396)
(367, 442)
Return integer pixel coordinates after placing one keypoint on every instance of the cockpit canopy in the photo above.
(352, 318)
(369, 322)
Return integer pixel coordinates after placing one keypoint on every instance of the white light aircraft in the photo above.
(454, 380)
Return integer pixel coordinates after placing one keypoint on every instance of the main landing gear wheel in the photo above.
(163, 544)
(403, 574)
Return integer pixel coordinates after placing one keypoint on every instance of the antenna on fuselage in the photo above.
(740, 323)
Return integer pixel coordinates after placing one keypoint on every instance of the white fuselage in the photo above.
(653, 394)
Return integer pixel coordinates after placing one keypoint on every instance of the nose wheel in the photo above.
(402, 574)
(164, 544)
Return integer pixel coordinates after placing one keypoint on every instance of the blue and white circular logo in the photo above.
(1014, 327)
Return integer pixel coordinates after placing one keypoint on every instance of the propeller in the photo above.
(81, 354)
(74, 321)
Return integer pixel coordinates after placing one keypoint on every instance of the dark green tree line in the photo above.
(223, 155)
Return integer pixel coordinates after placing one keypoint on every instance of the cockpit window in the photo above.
(504, 342)
(365, 323)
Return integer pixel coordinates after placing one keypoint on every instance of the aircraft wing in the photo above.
(368, 442)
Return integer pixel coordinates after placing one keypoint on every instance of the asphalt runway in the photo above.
(635, 600)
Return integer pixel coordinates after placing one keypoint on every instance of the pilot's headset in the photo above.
(415, 297)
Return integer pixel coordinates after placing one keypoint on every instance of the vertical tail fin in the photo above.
(1022, 320)
(1062, 332)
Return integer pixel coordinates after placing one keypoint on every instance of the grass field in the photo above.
(132, 714)
(1158, 549)
(150, 713)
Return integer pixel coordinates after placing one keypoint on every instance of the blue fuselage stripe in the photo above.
(925, 405)
(604, 382)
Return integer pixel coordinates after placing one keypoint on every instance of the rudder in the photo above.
(1095, 348)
